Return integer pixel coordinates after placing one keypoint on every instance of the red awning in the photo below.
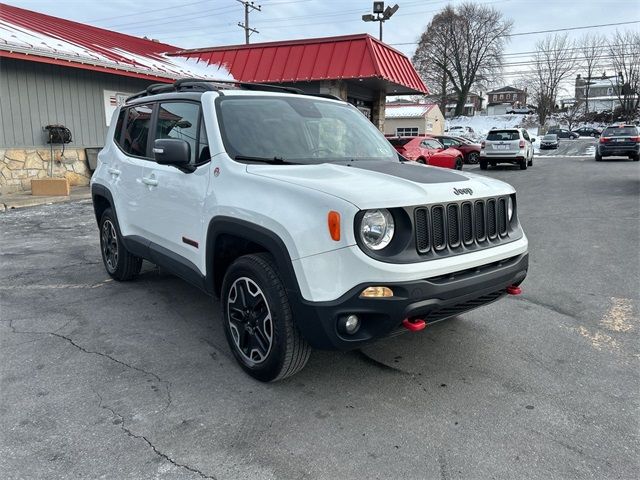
(351, 57)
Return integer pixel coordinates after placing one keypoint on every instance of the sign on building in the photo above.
(113, 100)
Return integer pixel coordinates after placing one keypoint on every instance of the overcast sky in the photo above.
(193, 23)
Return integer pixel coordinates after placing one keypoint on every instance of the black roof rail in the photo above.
(204, 85)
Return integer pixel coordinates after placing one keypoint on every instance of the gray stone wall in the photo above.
(18, 166)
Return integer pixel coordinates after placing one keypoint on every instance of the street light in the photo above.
(381, 14)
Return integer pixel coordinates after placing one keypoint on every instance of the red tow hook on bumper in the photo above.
(414, 325)
(514, 290)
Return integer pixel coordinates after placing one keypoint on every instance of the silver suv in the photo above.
(507, 145)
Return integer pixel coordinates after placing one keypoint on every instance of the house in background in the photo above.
(472, 106)
(501, 100)
(406, 120)
(603, 92)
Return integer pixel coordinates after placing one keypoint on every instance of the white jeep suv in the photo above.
(298, 213)
(507, 145)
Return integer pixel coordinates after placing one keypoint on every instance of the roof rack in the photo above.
(203, 85)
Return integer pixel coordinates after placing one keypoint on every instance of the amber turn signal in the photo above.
(376, 292)
(334, 225)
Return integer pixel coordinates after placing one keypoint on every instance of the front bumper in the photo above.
(432, 299)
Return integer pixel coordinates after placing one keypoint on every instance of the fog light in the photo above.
(376, 292)
(349, 324)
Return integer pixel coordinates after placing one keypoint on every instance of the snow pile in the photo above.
(481, 124)
(193, 67)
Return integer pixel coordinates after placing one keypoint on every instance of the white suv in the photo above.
(298, 213)
(507, 145)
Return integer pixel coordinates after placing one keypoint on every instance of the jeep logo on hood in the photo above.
(463, 191)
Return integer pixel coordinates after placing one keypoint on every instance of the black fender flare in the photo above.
(98, 190)
(258, 235)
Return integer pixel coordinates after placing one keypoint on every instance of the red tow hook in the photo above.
(414, 325)
(514, 290)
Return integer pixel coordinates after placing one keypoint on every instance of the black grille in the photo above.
(453, 225)
(491, 218)
(453, 310)
(437, 223)
(422, 230)
(466, 225)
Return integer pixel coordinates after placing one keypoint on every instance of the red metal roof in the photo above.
(331, 58)
(34, 36)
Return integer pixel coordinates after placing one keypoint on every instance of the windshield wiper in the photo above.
(272, 160)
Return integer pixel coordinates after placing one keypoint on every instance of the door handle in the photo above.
(150, 181)
(113, 171)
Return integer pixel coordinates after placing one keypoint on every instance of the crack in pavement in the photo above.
(166, 383)
(148, 442)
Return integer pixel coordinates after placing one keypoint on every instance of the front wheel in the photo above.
(459, 163)
(258, 322)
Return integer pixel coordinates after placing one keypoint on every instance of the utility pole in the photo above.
(380, 14)
(248, 6)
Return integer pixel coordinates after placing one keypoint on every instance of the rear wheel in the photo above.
(459, 163)
(598, 157)
(483, 164)
(530, 162)
(118, 262)
(635, 157)
(472, 158)
(258, 322)
(523, 165)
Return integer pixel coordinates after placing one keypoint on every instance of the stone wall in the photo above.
(19, 165)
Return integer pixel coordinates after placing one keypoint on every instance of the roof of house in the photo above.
(408, 111)
(331, 58)
(33, 36)
(506, 89)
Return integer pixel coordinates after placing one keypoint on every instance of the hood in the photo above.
(376, 184)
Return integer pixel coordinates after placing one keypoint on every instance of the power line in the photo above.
(248, 6)
(546, 31)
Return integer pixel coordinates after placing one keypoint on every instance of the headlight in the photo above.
(376, 229)
(510, 208)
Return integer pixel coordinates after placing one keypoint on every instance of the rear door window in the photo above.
(620, 132)
(135, 137)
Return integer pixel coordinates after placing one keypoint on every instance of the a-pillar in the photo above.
(334, 87)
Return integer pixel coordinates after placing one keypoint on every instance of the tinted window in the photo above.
(449, 142)
(136, 130)
(431, 143)
(620, 132)
(204, 155)
(525, 135)
(180, 121)
(550, 137)
(398, 142)
(117, 134)
(503, 135)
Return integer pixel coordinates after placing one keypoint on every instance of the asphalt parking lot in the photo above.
(100, 379)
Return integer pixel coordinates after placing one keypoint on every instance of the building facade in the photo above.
(407, 120)
(504, 99)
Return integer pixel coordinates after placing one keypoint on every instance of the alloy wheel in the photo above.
(250, 320)
(109, 240)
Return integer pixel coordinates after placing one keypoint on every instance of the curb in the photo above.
(7, 204)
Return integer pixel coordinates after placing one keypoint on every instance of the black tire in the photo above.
(635, 157)
(421, 161)
(598, 157)
(269, 349)
(120, 264)
(483, 164)
(473, 158)
(459, 162)
(523, 165)
(530, 162)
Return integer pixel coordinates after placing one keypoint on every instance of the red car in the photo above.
(469, 149)
(428, 151)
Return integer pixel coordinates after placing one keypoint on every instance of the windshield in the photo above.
(299, 130)
(503, 135)
(550, 137)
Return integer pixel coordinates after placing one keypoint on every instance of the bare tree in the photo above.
(624, 50)
(462, 47)
(553, 62)
(572, 115)
(590, 47)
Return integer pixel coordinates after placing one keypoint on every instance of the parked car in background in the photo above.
(462, 131)
(428, 151)
(563, 133)
(549, 141)
(619, 141)
(587, 132)
(521, 111)
(507, 145)
(470, 150)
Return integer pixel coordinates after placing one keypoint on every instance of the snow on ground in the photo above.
(481, 124)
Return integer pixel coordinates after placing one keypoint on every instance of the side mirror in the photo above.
(172, 151)
(533, 140)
